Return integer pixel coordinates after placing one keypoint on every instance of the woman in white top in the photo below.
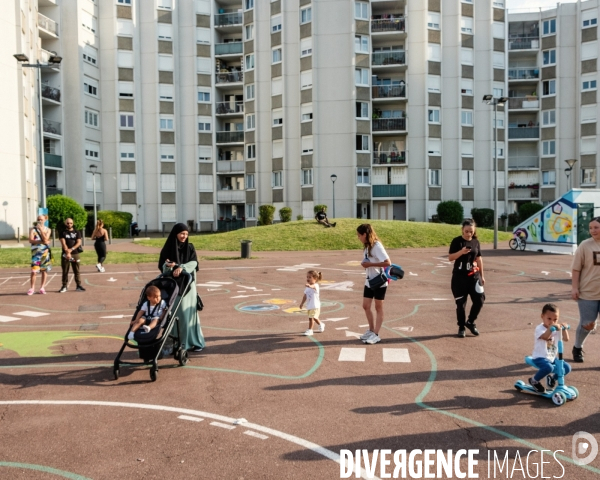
(375, 259)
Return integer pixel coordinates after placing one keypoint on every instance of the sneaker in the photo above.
(366, 335)
(30, 291)
(373, 339)
(99, 267)
(80, 289)
(461, 332)
(308, 332)
(62, 290)
(196, 349)
(102, 270)
(551, 382)
(578, 355)
(42, 291)
(537, 385)
(322, 327)
(472, 328)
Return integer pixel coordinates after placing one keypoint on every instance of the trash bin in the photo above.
(246, 248)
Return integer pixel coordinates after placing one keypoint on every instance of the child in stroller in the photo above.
(143, 326)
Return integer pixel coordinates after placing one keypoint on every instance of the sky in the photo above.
(534, 3)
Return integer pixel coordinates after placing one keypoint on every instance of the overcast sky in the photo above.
(533, 3)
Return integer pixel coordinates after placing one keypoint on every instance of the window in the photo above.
(91, 118)
(91, 179)
(249, 63)
(589, 50)
(128, 183)
(548, 117)
(250, 121)
(433, 20)
(589, 18)
(467, 178)
(202, 35)
(434, 115)
(305, 15)
(588, 113)
(306, 47)
(90, 54)
(250, 181)
(498, 59)
(277, 116)
(549, 87)
(165, 31)
(90, 86)
(361, 10)
(250, 92)
(361, 77)
(498, 90)
(466, 25)
(549, 27)
(92, 151)
(250, 152)
(588, 176)
(434, 83)
(203, 95)
(276, 24)
(248, 4)
(167, 153)
(167, 182)
(168, 212)
(549, 148)
(165, 92)
(434, 52)
(166, 123)
(361, 44)
(466, 148)
(588, 84)
(204, 153)
(466, 56)
(249, 32)
(435, 178)
(166, 4)
(466, 118)
(588, 145)
(306, 112)
(124, 28)
(363, 176)
(204, 124)
(306, 176)
(125, 89)
(500, 120)
(434, 146)
(362, 143)
(307, 144)
(124, 2)
(498, 30)
(127, 152)
(549, 57)
(276, 86)
(89, 22)
(466, 86)
(251, 210)
(549, 177)
(306, 79)
(277, 179)
(126, 120)
(166, 63)
(276, 58)
(362, 110)
(124, 59)
(203, 65)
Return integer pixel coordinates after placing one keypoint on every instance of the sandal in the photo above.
(42, 291)
(30, 291)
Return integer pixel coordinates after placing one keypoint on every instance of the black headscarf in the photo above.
(176, 251)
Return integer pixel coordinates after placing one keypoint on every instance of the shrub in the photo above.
(450, 212)
(285, 214)
(484, 217)
(60, 208)
(265, 214)
(299, 217)
(526, 210)
(513, 219)
(119, 221)
(318, 208)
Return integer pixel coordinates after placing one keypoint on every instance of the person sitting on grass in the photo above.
(321, 217)
(149, 315)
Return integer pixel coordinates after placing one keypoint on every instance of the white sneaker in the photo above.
(308, 333)
(98, 267)
(373, 339)
(102, 270)
(322, 327)
(366, 335)
(130, 336)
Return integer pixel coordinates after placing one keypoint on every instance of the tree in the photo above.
(61, 207)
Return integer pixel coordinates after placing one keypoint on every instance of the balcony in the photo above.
(228, 19)
(53, 191)
(48, 25)
(229, 225)
(523, 193)
(51, 93)
(389, 158)
(389, 191)
(530, 73)
(394, 57)
(52, 127)
(383, 25)
(389, 91)
(524, 42)
(231, 48)
(523, 103)
(230, 137)
(228, 108)
(230, 166)
(229, 77)
(231, 196)
(51, 160)
(523, 163)
(389, 125)
(524, 133)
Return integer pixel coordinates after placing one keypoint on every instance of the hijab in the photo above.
(177, 251)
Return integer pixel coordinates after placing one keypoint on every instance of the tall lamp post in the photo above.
(571, 163)
(53, 61)
(92, 170)
(495, 101)
(333, 179)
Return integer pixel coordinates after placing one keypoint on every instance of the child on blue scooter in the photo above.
(545, 348)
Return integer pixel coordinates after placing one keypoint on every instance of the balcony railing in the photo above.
(53, 191)
(523, 163)
(522, 103)
(229, 225)
(224, 108)
(516, 133)
(227, 19)
(231, 196)
(226, 166)
(50, 126)
(229, 77)
(389, 158)
(230, 137)
(388, 25)
(394, 57)
(51, 160)
(230, 48)
(52, 93)
(389, 191)
(523, 73)
(389, 124)
(47, 24)
(524, 42)
(389, 91)
(523, 193)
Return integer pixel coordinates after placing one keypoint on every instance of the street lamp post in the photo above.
(569, 171)
(495, 101)
(333, 179)
(93, 169)
(53, 61)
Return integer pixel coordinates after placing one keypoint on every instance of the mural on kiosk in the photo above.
(551, 224)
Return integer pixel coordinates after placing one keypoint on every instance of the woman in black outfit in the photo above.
(100, 236)
(467, 277)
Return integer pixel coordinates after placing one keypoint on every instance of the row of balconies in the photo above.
(378, 191)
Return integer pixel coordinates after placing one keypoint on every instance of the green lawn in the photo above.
(21, 257)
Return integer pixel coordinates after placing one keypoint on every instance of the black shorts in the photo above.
(377, 294)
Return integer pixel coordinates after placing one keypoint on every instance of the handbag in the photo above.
(49, 249)
(378, 281)
(199, 304)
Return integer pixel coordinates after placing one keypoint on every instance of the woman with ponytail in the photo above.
(100, 235)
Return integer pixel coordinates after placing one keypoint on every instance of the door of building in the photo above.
(382, 211)
(585, 212)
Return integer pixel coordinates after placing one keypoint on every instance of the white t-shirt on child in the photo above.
(545, 348)
(156, 311)
(312, 297)
(378, 255)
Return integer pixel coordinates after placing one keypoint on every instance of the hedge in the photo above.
(450, 212)
(318, 208)
(484, 217)
(119, 221)
(528, 209)
(285, 214)
(265, 214)
(60, 208)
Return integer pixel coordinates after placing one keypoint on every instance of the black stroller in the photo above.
(151, 350)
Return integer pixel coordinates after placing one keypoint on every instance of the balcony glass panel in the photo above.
(388, 25)
(394, 57)
(389, 190)
(230, 166)
(230, 48)
(523, 73)
(524, 42)
(47, 24)
(51, 160)
(391, 157)
(231, 196)
(229, 77)
(389, 91)
(51, 126)
(389, 124)
(516, 133)
(518, 103)
(230, 137)
(523, 162)
(224, 108)
(225, 19)
(52, 93)
(53, 191)
(228, 225)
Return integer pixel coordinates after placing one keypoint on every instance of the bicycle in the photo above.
(517, 242)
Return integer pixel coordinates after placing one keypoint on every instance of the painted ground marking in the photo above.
(352, 334)
(404, 329)
(222, 425)
(342, 328)
(43, 468)
(396, 355)
(28, 313)
(352, 354)
(365, 325)
(340, 286)
(4, 319)
(253, 295)
(427, 299)
(256, 435)
(219, 283)
(335, 319)
(192, 419)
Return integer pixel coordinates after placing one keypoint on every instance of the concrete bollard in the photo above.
(82, 232)
(145, 230)
(18, 234)
(53, 237)
(110, 235)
